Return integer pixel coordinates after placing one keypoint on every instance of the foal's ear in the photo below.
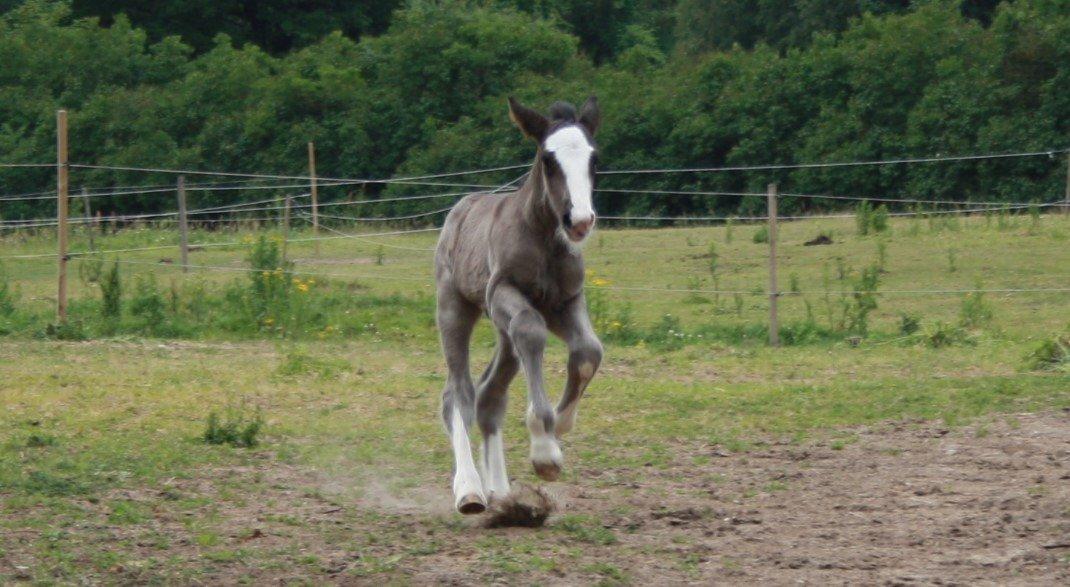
(530, 122)
(591, 115)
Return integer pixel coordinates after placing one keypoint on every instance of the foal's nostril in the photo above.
(566, 219)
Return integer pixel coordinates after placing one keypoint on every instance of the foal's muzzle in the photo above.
(577, 229)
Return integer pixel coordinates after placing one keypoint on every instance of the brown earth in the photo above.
(904, 503)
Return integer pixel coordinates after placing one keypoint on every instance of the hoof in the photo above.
(547, 471)
(471, 504)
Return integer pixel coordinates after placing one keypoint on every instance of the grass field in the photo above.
(104, 475)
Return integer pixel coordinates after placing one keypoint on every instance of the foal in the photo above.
(516, 257)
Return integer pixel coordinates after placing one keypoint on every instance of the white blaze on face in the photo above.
(573, 153)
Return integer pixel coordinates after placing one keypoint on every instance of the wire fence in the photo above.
(293, 194)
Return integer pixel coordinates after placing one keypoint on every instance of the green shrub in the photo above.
(111, 293)
(863, 217)
(270, 284)
(975, 311)
(1050, 355)
(869, 219)
(1003, 219)
(8, 297)
(714, 265)
(879, 219)
(714, 257)
(147, 305)
(761, 235)
(69, 330)
(864, 297)
(1034, 217)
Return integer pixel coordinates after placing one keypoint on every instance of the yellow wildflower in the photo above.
(598, 281)
(267, 274)
(302, 287)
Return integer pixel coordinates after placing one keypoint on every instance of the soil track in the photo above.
(905, 503)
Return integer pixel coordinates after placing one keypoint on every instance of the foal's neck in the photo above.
(539, 215)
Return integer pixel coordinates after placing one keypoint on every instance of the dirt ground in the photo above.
(904, 503)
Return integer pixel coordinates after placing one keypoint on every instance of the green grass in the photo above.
(106, 435)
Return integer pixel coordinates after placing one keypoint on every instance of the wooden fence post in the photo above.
(774, 293)
(314, 194)
(286, 226)
(183, 224)
(62, 185)
(88, 217)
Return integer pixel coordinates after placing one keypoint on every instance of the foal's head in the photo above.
(567, 157)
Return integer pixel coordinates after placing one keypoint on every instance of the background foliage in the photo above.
(419, 87)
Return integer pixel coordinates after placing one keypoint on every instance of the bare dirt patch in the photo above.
(900, 503)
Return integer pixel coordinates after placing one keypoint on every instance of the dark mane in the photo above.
(562, 112)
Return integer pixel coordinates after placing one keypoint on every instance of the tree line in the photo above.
(409, 88)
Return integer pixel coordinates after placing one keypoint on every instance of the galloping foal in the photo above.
(516, 257)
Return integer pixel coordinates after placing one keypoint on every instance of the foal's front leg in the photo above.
(573, 325)
(526, 329)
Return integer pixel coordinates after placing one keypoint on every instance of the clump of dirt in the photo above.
(821, 239)
(526, 506)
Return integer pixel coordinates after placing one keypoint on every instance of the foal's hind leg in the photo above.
(526, 328)
(456, 318)
(492, 393)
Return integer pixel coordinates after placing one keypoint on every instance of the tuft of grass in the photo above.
(908, 324)
(586, 529)
(301, 363)
(126, 513)
(761, 235)
(40, 441)
(237, 430)
(943, 334)
(51, 484)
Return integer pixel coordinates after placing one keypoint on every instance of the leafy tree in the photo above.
(277, 26)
